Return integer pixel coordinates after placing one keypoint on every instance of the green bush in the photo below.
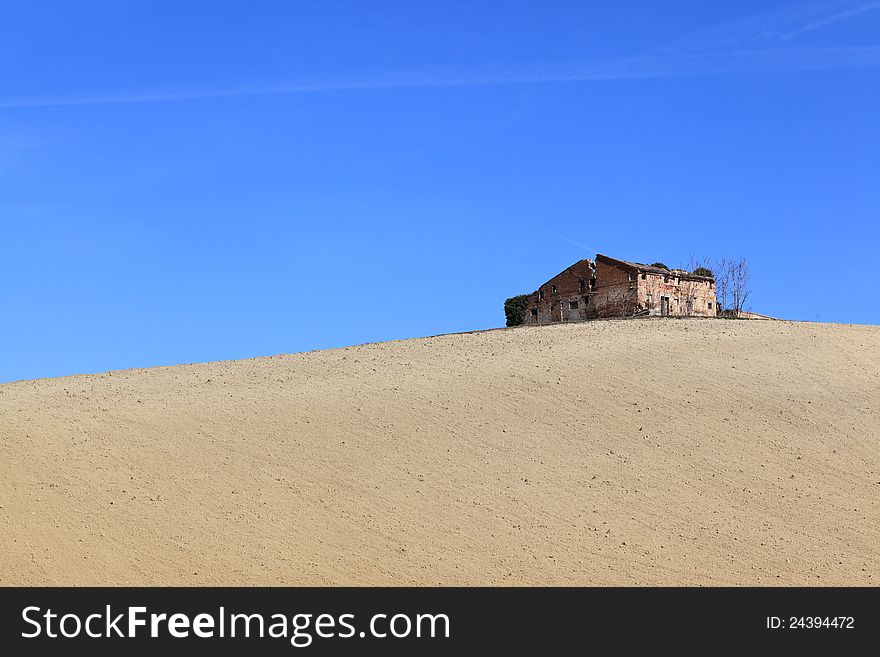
(660, 265)
(704, 271)
(515, 309)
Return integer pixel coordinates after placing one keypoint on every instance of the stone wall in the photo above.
(616, 292)
(565, 297)
(608, 287)
(684, 295)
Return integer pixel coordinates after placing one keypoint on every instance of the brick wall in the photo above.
(616, 292)
(685, 295)
(614, 288)
(565, 297)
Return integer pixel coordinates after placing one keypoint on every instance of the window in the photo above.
(710, 305)
(554, 289)
(593, 283)
(534, 312)
(573, 305)
(644, 276)
(666, 279)
(581, 284)
(541, 295)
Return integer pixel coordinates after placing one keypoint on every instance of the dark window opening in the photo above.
(644, 276)
(541, 294)
(554, 289)
(573, 305)
(593, 283)
(710, 305)
(534, 312)
(581, 284)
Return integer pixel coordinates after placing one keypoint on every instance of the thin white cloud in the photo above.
(667, 64)
(732, 48)
(779, 25)
(834, 18)
(586, 248)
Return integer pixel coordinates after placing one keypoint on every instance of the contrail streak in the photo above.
(835, 18)
(660, 65)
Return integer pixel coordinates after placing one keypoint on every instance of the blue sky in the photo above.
(198, 181)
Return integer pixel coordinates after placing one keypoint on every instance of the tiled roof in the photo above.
(681, 273)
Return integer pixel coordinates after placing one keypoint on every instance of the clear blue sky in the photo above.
(194, 181)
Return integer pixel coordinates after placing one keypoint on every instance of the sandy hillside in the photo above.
(636, 452)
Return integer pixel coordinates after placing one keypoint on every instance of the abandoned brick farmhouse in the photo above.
(607, 287)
